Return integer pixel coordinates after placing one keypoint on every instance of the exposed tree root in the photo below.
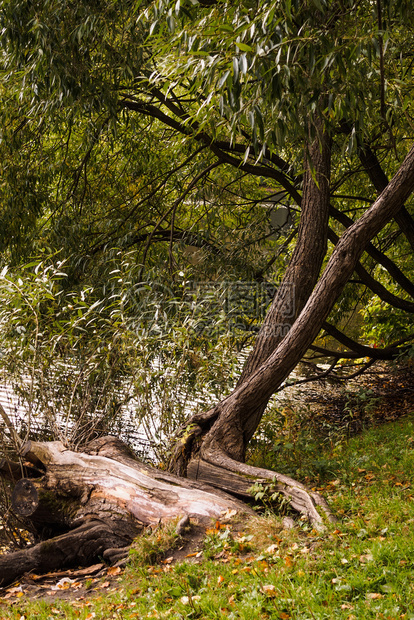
(217, 469)
(206, 462)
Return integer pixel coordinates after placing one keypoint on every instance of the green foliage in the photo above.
(171, 131)
(90, 361)
(295, 437)
(269, 498)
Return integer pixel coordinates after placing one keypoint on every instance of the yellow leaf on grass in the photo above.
(113, 570)
(269, 590)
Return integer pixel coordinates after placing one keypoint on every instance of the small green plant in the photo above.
(358, 408)
(151, 547)
(269, 498)
(220, 540)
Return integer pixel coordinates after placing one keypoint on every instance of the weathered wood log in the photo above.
(81, 546)
(107, 487)
(238, 478)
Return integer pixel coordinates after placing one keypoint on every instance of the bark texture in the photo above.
(217, 438)
(89, 505)
(298, 282)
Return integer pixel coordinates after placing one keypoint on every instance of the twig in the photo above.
(18, 442)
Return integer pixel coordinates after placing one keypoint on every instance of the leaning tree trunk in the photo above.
(303, 270)
(214, 442)
(304, 266)
(292, 294)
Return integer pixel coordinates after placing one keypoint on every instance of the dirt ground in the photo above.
(82, 584)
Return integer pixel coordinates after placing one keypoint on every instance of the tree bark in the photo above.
(263, 383)
(304, 266)
(89, 504)
(218, 437)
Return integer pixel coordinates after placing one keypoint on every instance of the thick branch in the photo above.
(375, 286)
(378, 256)
(190, 131)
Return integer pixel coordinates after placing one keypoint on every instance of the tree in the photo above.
(310, 96)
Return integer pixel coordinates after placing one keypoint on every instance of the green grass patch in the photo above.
(362, 567)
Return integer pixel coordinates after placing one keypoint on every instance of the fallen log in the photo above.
(97, 501)
(77, 547)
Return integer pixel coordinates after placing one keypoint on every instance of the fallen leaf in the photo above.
(63, 584)
(88, 571)
(113, 570)
(168, 560)
(228, 514)
(106, 584)
(374, 595)
(269, 590)
(220, 579)
(14, 590)
(272, 549)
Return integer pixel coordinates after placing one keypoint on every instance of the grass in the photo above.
(360, 568)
